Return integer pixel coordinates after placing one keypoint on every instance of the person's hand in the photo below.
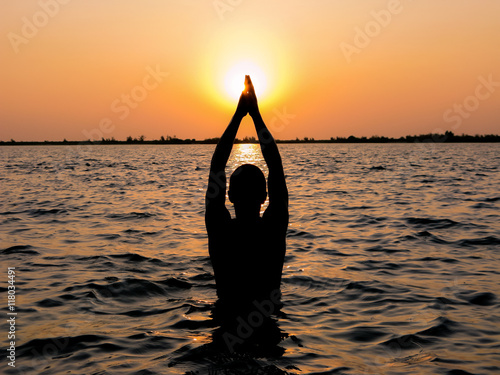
(248, 100)
(251, 98)
(242, 108)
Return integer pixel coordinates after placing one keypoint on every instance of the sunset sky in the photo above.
(80, 69)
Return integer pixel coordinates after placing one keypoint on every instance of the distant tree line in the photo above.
(431, 137)
(448, 136)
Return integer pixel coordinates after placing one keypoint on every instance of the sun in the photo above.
(234, 81)
(227, 58)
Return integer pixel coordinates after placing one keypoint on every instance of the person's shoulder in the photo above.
(274, 227)
(276, 217)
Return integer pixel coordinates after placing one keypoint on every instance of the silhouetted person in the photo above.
(247, 252)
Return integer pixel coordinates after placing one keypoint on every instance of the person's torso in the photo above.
(247, 259)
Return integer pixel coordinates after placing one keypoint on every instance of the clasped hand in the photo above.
(248, 100)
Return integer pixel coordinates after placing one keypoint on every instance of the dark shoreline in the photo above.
(448, 137)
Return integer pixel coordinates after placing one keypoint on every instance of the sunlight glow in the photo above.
(229, 57)
(234, 81)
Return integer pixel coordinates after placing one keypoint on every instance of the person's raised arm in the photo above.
(216, 190)
(278, 192)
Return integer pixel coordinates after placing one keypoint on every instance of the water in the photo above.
(392, 264)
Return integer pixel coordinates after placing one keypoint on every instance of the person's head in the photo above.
(247, 187)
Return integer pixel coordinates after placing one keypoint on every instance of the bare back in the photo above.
(247, 259)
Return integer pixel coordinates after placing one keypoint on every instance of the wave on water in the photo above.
(20, 250)
(392, 262)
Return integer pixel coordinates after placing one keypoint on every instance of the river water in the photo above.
(392, 265)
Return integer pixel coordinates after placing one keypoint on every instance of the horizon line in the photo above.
(448, 136)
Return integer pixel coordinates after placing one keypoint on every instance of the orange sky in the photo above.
(79, 69)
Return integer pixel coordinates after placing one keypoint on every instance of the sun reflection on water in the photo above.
(248, 153)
